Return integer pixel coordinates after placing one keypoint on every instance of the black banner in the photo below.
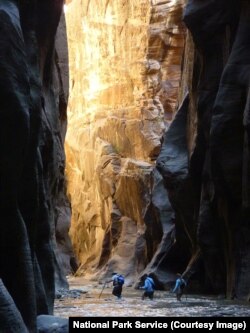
(170, 323)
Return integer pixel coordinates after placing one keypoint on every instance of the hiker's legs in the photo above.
(117, 291)
(151, 295)
(178, 296)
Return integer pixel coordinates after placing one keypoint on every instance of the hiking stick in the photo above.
(102, 290)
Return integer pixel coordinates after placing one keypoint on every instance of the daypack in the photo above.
(120, 279)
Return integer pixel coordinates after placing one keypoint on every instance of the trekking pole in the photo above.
(102, 290)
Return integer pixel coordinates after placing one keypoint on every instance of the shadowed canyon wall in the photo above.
(125, 68)
(34, 208)
(205, 155)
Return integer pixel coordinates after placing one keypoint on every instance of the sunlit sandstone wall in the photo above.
(125, 63)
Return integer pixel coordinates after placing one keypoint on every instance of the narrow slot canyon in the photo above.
(124, 148)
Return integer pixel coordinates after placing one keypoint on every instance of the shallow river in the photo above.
(91, 304)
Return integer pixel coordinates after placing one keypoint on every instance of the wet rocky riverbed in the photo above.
(85, 299)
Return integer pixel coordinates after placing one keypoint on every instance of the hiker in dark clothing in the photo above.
(180, 284)
(149, 287)
(118, 281)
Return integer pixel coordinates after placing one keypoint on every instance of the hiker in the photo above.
(180, 284)
(118, 281)
(149, 287)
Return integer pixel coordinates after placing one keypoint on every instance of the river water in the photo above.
(91, 302)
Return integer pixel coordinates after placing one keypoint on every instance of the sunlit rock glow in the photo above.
(125, 66)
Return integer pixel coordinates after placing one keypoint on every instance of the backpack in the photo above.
(120, 280)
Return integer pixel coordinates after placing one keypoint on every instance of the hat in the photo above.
(114, 273)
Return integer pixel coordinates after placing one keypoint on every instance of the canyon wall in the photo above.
(132, 64)
(34, 208)
(151, 189)
(206, 171)
(125, 67)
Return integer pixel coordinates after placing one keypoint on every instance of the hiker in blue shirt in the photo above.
(149, 287)
(118, 281)
(180, 284)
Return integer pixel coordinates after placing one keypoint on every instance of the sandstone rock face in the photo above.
(207, 172)
(32, 115)
(125, 68)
